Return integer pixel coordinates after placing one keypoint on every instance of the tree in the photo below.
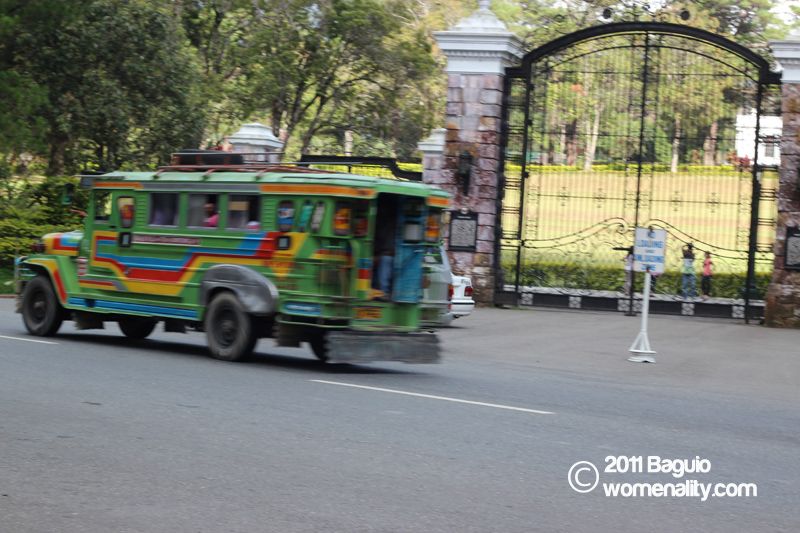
(311, 68)
(22, 99)
(118, 80)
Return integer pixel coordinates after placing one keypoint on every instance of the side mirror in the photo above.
(68, 195)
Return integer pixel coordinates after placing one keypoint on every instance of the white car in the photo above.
(446, 296)
(438, 289)
(462, 303)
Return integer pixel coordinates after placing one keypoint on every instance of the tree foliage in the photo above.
(310, 68)
(91, 84)
(109, 82)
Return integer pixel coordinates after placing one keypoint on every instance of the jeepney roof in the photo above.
(263, 177)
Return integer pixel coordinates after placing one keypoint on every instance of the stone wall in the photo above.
(783, 295)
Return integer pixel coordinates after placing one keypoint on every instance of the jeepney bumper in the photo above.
(368, 347)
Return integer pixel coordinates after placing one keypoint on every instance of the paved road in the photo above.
(101, 434)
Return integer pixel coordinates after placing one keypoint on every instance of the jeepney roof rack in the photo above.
(210, 161)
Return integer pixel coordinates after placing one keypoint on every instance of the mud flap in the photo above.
(368, 347)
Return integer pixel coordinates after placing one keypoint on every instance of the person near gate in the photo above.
(705, 282)
(688, 279)
(628, 260)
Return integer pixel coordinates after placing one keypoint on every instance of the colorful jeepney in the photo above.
(243, 252)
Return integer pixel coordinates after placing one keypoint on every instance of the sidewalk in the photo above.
(715, 355)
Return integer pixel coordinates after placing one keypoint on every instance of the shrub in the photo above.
(30, 209)
(602, 278)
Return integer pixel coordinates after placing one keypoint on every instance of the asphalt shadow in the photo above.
(260, 358)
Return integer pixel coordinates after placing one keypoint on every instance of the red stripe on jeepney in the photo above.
(62, 294)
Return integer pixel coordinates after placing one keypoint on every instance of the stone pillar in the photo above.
(432, 149)
(478, 50)
(783, 295)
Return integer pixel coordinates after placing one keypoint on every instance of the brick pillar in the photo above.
(478, 50)
(783, 295)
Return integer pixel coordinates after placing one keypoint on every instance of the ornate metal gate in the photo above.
(637, 124)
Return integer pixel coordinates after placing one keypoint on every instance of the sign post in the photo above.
(648, 257)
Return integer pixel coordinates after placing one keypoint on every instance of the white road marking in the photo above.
(26, 340)
(432, 397)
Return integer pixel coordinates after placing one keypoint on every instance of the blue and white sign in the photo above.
(649, 249)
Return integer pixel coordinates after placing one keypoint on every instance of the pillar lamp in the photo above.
(465, 170)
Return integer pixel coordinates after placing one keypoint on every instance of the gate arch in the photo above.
(637, 124)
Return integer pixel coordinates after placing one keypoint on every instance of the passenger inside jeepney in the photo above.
(383, 261)
(212, 217)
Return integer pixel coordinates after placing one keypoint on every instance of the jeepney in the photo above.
(241, 252)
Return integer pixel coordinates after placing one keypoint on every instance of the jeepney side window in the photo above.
(318, 217)
(305, 216)
(163, 209)
(203, 211)
(244, 211)
(102, 206)
(126, 206)
(285, 215)
(433, 226)
(412, 221)
(342, 218)
(361, 218)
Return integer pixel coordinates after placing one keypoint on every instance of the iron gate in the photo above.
(637, 124)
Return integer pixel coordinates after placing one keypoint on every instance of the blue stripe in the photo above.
(139, 308)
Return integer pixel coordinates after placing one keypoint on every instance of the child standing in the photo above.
(688, 281)
(705, 282)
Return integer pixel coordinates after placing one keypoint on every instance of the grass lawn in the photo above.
(576, 217)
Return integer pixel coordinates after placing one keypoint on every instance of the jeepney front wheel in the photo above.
(41, 311)
(135, 327)
(229, 329)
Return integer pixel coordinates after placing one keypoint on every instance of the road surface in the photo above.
(99, 433)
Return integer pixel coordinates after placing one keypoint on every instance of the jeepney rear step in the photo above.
(368, 347)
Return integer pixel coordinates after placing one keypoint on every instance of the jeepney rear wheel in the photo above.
(136, 327)
(229, 329)
(319, 345)
(41, 311)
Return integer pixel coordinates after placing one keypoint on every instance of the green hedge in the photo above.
(17, 237)
(613, 279)
(6, 280)
(30, 208)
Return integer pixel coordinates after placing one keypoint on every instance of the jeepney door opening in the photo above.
(398, 248)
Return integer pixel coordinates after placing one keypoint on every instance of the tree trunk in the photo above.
(676, 145)
(710, 145)
(572, 142)
(591, 143)
(348, 142)
(57, 153)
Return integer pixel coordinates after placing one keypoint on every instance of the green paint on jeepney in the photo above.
(322, 274)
